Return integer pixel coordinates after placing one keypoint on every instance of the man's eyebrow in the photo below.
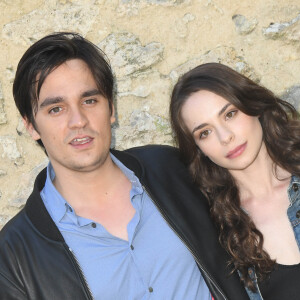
(51, 100)
(90, 93)
(54, 100)
(205, 124)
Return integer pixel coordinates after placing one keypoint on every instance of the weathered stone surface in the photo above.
(292, 95)
(77, 15)
(242, 25)
(142, 121)
(287, 30)
(21, 130)
(127, 55)
(141, 91)
(2, 173)
(25, 186)
(160, 2)
(217, 8)
(181, 28)
(3, 118)
(10, 73)
(10, 149)
(292, 33)
(4, 219)
(222, 54)
(144, 128)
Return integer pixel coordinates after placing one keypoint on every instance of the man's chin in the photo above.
(86, 166)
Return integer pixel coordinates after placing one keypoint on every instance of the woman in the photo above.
(242, 146)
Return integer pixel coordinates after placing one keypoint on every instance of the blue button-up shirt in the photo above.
(152, 264)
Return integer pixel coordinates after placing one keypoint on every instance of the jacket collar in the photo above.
(37, 212)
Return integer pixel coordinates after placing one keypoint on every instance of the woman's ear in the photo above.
(31, 130)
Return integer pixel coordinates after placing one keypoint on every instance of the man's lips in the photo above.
(237, 151)
(81, 140)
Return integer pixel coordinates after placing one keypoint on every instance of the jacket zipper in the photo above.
(81, 274)
(183, 241)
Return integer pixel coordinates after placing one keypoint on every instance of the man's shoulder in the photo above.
(155, 153)
(13, 228)
(162, 160)
(20, 225)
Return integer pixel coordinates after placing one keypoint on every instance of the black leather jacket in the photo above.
(36, 263)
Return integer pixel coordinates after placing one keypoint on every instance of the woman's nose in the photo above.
(226, 136)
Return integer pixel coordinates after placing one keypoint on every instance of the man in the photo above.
(101, 224)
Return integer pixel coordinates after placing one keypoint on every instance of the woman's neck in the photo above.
(259, 178)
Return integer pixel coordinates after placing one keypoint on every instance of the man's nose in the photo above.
(77, 118)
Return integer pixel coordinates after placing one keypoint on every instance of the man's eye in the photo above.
(90, 101)
(230, 114)
(204, 134)
(55, 110)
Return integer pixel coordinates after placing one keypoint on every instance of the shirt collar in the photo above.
(55, 202)
(59, 207)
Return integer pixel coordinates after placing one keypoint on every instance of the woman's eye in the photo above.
(55, 110)
(204, 134)
(230, 114)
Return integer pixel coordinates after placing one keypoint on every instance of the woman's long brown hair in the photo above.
(281, 134)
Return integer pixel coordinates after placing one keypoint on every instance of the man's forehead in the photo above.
(61, 75)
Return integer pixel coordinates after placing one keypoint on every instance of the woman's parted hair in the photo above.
(281, 130)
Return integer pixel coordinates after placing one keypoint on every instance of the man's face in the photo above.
(73, 119)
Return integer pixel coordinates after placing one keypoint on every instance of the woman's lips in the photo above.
(237, 151)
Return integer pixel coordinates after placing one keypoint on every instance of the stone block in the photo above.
(75, 16)
(244, 26)
(292, 95)
(3, 118)
(25, 186)
(10, 149)
(222, 54)
(287, 30)
(127, 55)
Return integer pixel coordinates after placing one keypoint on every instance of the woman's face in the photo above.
(230, 138)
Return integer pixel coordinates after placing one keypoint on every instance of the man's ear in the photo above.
(31, 130)
(112, 115)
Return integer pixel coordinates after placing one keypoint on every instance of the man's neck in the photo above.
(89, 185)
(101, 195)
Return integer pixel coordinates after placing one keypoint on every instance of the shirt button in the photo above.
(131, 247)
(150, 289)
(295, 187)
(298, 214)
(94, 225)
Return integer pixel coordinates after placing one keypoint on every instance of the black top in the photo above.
(283, 283)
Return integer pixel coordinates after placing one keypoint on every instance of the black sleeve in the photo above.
(9, 290)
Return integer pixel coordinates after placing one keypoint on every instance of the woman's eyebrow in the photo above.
(205, 124)
(199, 127)
(224, 108)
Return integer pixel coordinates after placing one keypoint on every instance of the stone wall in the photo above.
(150, 43)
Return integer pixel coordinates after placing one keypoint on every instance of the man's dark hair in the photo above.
(49, 53)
